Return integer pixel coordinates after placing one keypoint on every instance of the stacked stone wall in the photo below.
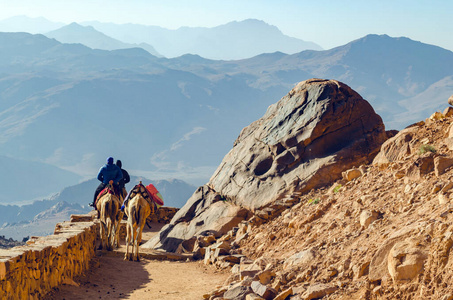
(163, 215)
(32, 270)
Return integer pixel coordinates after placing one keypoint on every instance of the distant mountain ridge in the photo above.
(88, 36)
(40, 217)
(25, 180)
(178, 117)
(234, 40)
(27, 24)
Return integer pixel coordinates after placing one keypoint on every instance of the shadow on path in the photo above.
(110, 277)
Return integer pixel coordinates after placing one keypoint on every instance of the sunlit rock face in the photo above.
(306, 140)
(319, 129)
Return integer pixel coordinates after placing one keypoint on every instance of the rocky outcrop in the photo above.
(320, 129)
(306, 140)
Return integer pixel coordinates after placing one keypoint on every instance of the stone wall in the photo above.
(163, 215)
(31, 271)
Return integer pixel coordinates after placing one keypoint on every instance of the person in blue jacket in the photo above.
(107, 172)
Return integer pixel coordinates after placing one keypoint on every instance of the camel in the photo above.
(110, 215)
(137, 211)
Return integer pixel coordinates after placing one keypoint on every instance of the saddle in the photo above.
(141, 189)
(105, 191)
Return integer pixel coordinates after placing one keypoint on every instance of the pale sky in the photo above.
(329, 23)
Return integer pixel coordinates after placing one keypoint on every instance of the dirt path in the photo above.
(111, 277)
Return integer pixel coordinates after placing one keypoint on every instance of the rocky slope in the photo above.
(318, 130)
(384, 231)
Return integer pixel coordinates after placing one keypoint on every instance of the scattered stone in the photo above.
(406, 260)
(248, 273)
(237, 293)
(253, 296)
(319, 290)
(285, 294)
(450, 100)
(448, 112)
(265, 277)
(301, 259)
(367, 217)
(351, 174)
(264, 291)
(441, 164)
(443, 199)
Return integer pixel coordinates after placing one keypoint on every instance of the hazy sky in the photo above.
(329, 23)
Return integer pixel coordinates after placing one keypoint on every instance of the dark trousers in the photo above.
(98, 190)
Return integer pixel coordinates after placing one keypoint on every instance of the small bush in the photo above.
(314, 201)
(337, 188)
(426, 148)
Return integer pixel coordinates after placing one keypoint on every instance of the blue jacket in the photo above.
(110, 172)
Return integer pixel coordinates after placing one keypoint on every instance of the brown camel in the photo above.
(109, 209)
(137, 211)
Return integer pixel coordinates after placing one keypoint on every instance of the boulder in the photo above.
(406, 260)
(301, 259)
(396, 148)
(367, 217)
(204, 212)
(448, 112)
(285, 294)
(351, 174)
(441, 164)
(379, 265)
(237, 293)
(264, 291)
(306, 140)
(421, 166)
(450, 100)
(319, 290)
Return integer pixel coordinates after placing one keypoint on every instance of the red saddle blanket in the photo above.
(146, 194)
(102, 193)
(155, 195)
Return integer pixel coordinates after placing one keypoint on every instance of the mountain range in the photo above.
(234, 40)
(40, 216)
(88, 36)
(70, 106)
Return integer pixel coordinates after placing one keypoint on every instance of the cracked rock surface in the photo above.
(304, 141)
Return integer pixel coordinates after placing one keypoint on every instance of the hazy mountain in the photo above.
(9, 243)
(40, 217)
(175, 192)
(384, 70)
(234, 40)
(28, 180)
(177, 118)
(82, 102)
(27, 24)
(42, 222)
(88, 36)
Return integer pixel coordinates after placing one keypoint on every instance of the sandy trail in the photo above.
(111, 277)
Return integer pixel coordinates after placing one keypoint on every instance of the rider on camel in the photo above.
(108, 172)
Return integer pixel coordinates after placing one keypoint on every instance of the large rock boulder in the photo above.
(306, 140)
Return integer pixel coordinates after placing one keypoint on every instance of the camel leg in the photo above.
(109, 237)
(134, 243)
(102, 234)
(117, 231)
(128, 239)
(139, 239)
